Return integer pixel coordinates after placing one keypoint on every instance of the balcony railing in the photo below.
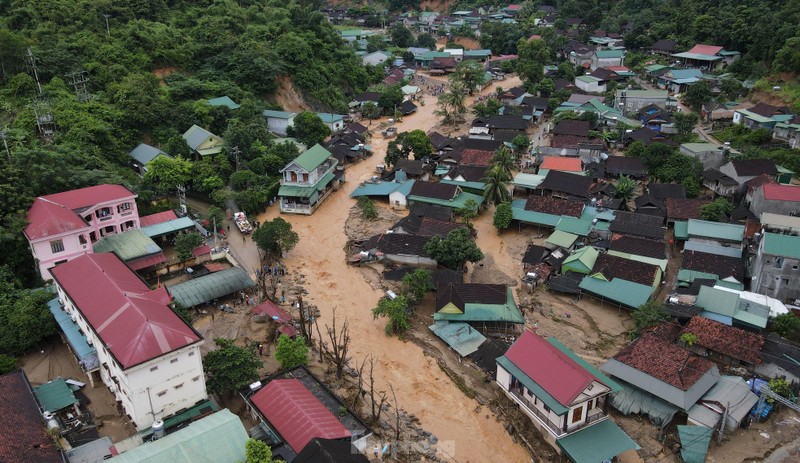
(596, 414)
(554, 428)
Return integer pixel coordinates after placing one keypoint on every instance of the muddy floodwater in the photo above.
(466, 432)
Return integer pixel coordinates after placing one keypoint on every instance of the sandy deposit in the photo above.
(422, 389)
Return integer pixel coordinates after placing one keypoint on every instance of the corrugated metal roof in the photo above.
(209, 287)
(624, 292)
(219, 437)
(518, 212)
(717, 301)
(461, 337)
(718, 230)
(478, 312)
(574, 225)
(129, 245)
(165, 228)
(311, 158)
(782, 245)
(54, 395)
(224, 101)
(562, 239)
(195, 136)
(296, 414)
(600, 442)
(581, 261)
(158, 217)
(75, 338)
(694, 443)
(144, 153)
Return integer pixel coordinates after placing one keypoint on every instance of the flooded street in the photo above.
(465, 433)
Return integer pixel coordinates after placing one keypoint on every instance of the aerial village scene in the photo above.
(399, 231)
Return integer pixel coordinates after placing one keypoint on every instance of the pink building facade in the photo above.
(63, 226)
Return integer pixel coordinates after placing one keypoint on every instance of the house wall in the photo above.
(304, 178)
(634, 104)
(397, 199)
(108, 218)
(759, 205)
(591, 87)
(278, 125)
(722, 190)
(414, 261)
(136, 388)
(776, 276)
(711, 159)
(605, 62)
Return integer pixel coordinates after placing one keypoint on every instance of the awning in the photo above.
(681, 230)
(144, 262)
(55, 395)
(86, 354)
(694, 443)
(209, 287)
(600, 442)
(165, 228)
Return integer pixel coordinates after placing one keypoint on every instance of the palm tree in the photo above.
(495, 190)
(505, 159)
(624, 190)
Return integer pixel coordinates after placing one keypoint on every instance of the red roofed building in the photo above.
(63, 226)
(560, 392)
(157, 218)
(776, 198)
(149, 357)
(294, 407)
(561, 163)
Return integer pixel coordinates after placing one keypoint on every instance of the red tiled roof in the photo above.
(630, 270)
(664, 361)
(553, 205)
(777, 192)
(201, 250)
(685, 209)
(559, 375)
(55, 214)
(562, 163)
(147, 261)
(296, 414)
(567, 141)
(709, 50)
(134, 322)
(727, 340)
(442, 191)
(474, 157)
(157, 218)
(273, 311)
(24, 436)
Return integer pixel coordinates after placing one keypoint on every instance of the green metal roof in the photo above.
(170, 226)
(128, 246)
(614, 386)
(459, 202)
(461, 337)
(624, 292)
(700, 147)
(643, 93)
(587, 79)
(476, 312)
(75, 338)
(224, 101)
(527, 180)
(694, 443)
(717, 301)
(466, 184)
(574, 225)
(298, 191)
(278, 114)
(312, 158)
(219, 437)
(696, 56)
(532, 386)
(209, 287)
(379, 189)
(600, 442)
(609, 54)
(200, 409)
(562, 239)
(681, 230)
(477, 52)
(581, 261)
(782, 245)
(717, 230)
(55, 395)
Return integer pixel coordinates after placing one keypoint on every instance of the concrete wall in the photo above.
(711, 159)
(777, 277)
(759, 205)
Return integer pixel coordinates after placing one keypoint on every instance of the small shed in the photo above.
(55, 396)
(209, 287)
(581, 261)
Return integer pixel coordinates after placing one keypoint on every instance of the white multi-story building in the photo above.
(65, 225)
(149, 357)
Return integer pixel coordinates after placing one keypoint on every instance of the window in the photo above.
(82, 239)
(154, 368)
(191, 354)
(173, 361)
(196, 378)
(778, 262)
(57, 246)
(546, 408)
(576, 415)
(794, 267)
(124, 207)
(179, 386)
(785, 281)
(162, 394)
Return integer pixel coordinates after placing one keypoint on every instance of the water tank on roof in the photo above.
(51, 421)
(255, 386)
(158, 430)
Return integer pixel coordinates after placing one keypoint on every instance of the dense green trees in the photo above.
(24, 317)
(454, 250)
(309, 128)
(230, 367)
(185, 243)
(291, 352)
(396, 311)
(275, 237)
(414, 142)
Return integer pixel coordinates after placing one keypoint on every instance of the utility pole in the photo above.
(30, 60)
(45, 123)
(235, 152)
(77, 80)
(108, 31)
(182, 199)
(5, 143)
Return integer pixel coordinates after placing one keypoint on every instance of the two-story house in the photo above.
(565, 398)
(65, 225)
(776, 267)
(149, 357)
(308, 180)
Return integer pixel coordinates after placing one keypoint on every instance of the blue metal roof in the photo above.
(75, 338)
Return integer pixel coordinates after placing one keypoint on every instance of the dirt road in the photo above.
(422, 388)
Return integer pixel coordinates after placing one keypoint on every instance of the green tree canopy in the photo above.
(396, 311)
(256, 451)
(414, 142)
(714, 211)
(624, 190)
(291, 352)
(166, 173)
(24, 317)
(417, 283)
(185, 242)
(649, 314)
(503, 216)
(496, 185)
(471, 74)
(454, 250)
(426, 41)
(697, 95)
(275, 237)
(788, 326)
(230, 368)
(532, 56)
(309, 129)
(402, 37)
(390, 98)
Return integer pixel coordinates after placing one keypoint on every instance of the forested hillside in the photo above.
(151, 65)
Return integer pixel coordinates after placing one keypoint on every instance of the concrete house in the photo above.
(711, 155)
(776, 199)
(490, 309)
(776, 267)
(143, 154)
(202, 142)
(63, 226)
(278, 122)
(762, 116)
(742, 170)
(565, 398)
(149, 357)
(590, 84)
(708, 57)
(632, 101)
(307, 181)
(606, 58)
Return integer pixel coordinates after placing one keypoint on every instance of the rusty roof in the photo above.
(726, 340)
(664, 361)
(556, 206)
(626, 269)
(685, 209)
